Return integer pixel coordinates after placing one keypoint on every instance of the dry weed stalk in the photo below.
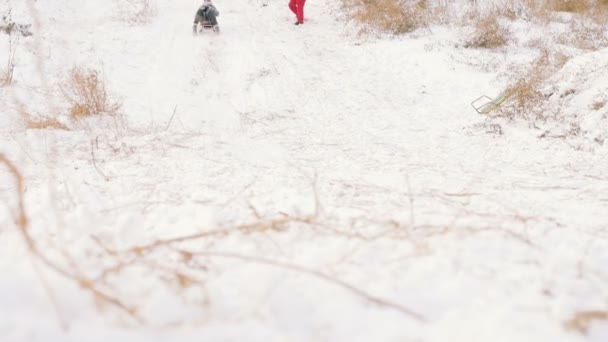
(599, 104)
(582, 320)
(317, 274)
(137, 256)
(10, 27)
(6, 78)
(586, 34)
(23, 226)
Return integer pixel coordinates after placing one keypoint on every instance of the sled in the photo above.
(485, 104)
(206, 26)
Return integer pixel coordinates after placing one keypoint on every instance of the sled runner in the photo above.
(206, 26)
(485, 104)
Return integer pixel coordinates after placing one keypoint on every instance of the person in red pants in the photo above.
(297, 7)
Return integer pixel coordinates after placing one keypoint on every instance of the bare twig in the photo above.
(7, 78)
(95, 164)
(317, 274)
(272, 225)
(62, 322)
(171, 119)
(318, 207)
(411, 198)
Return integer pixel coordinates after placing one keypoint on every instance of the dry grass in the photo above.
(23, 225)
(489, 34)
(391, 16)
(573, 6)
(599, 104)
(42, 122)
(87, 95)
(597, 10)
(587, 18)
(545, 12)
(582, 320)
(440, 13)
(525, 96)
(6, 78)
(585, 34)
(600, 11)
(137, 11)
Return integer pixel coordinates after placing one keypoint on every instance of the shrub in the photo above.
(389, 15)
(599, 12)
(526, 98)
(599, 103)
(585, 34)
(87, 95)
(489, 34)
(574, 6)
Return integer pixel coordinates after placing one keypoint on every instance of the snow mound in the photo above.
(579, 92)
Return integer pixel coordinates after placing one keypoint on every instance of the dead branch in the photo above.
(411, 199)
(95, 164)
(171, 119)
(272, 225)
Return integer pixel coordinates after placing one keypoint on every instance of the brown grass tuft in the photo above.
(489, 34)
(42, 122)
(525, 96)
(599, 104)
(6, 76)
(582, 320)
(86, 92)
(389, 15)
(573, 6)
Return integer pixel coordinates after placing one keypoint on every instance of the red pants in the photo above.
(297, 7)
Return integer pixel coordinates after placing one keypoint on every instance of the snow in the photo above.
(305, 158)
(580, 91)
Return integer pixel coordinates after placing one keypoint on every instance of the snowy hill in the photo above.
(293, 183)
(580, 93)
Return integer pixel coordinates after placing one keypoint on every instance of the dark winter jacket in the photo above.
(206, 12)
(206, 16)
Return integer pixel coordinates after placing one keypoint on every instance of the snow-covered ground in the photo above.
(321, 185)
